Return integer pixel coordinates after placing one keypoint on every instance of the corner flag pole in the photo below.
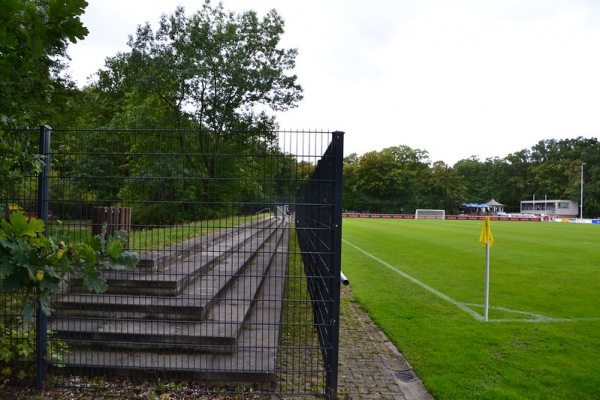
(486, 305)
(487, 239)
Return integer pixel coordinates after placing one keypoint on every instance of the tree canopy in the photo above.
(34, 36)
(550, 169)
(214, 69)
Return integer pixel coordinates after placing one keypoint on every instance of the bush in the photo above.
(34, 266)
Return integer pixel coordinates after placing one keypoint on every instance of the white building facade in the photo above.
(556, 208)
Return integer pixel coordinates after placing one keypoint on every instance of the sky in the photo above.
(459, 79)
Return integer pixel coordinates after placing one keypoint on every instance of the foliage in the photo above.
(386, 181)
(214, 75)
(443, 188)
(34, 35)
(212, 68)
(17, 162)
(35, 266)
(17, 345)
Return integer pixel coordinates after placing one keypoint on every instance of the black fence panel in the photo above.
(223, 300)
(319, 227)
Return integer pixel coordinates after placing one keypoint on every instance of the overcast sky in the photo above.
(458, 78)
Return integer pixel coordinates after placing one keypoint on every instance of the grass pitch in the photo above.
(422, 281)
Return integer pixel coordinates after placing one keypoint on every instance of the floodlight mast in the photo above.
(581, 197)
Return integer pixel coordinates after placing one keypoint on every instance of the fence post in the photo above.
(41, 324)
(337, 144)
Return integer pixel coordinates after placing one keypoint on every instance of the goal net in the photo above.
(423, 213)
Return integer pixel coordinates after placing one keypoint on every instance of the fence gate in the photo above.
(239, 236)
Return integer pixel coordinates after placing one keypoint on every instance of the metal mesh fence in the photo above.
(219, 301)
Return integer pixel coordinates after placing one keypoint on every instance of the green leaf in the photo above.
(25, 226)
(86, 253)
(28, 310)
(125, 261)
(50, 285)
(114, 249)
(6, 265)
(45, 307)
(120, 236)
(92, 279)
(95, 242)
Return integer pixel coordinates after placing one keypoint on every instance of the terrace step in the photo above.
(158, 260)
(185, 266)
(207, 315)
(191, 301)
(252, 362)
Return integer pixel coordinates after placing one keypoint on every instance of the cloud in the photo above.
(455, 78)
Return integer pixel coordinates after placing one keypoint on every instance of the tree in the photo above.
(215, 74)
(443, 188)
(350, 192)
(472, 172)
(218, 69)
(34, 36)
(390, 180)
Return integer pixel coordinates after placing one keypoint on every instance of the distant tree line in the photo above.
(400, 179)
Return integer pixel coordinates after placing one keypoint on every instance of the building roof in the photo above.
(493, 202)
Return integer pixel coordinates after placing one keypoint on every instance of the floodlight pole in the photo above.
(581, 197)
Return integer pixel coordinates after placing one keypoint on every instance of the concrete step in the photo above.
(191, 302)
(159, 260)
(252, 364)
(211, 311)
(183, 269)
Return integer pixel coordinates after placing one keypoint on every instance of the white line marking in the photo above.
(466, 306)
(418, 282)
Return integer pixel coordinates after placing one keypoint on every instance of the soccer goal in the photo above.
(423, 213)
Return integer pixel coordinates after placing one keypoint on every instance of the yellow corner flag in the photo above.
(486, 233)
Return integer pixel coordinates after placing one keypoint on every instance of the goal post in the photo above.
(425, 213)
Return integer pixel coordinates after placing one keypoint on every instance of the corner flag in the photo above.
(487, 239)
(486, 233)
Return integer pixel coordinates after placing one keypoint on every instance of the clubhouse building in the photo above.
(551, 208)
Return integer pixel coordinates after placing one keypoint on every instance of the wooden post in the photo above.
(116, 219)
